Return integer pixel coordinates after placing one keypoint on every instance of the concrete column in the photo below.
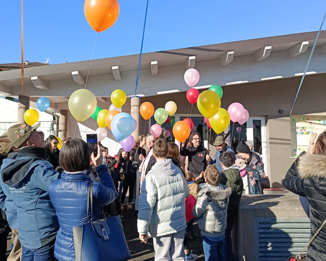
(134, 112)
(23, 105)
(63, 124)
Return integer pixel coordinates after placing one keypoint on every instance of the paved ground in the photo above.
(141, 251)
(146, 252)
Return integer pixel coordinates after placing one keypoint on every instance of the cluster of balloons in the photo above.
(31, 116)
(238, 114)
(209, 105)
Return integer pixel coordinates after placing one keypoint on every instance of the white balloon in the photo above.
(101, 134)
(113, 108)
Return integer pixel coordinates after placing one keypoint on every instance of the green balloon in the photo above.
(160, 116)
(218, 89)
(172, 122)
(95, 114)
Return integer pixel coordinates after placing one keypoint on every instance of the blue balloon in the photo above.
(43, 104)
(122, 126)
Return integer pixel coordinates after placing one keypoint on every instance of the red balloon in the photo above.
(190, 122)
(207, 122)
(192, 95)
(168, 120)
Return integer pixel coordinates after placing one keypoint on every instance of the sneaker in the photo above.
(191, 257)
(122, 207)
(129, 206)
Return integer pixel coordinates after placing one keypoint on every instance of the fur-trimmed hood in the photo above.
(217, 193)
(310, 166)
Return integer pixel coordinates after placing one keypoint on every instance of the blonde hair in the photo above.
(320, 146)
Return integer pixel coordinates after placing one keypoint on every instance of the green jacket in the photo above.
(231, 178)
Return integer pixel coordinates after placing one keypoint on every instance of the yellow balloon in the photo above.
(82, 104)
(101, 118)
(31, 116)
(208, 103)
(171, 108)
(220, 121)
(118, 98)
(60, 143)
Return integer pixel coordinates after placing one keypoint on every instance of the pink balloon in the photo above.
(238, 129)
(156, 130)
(128, 143)
(236, 111)
(135, 125)
(167, 134)
(101, 134)
(244, 118)
(191, 77)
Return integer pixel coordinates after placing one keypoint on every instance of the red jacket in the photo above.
(190, 203)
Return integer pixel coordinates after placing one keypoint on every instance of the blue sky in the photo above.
(58, 29)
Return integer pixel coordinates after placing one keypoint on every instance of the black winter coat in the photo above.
(307, 178)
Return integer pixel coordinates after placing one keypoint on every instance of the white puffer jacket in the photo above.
(162, 200)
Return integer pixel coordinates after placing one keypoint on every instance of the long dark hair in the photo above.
(192, 136)
(48, 141)
(119, 156)
(174, 151)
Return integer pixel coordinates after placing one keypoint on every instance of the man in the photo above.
(26, 177)
(7, 205)
(221, 147)
(198, 156)
(162, 206)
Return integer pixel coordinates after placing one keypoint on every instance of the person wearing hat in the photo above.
(26, 176)
(221, 147)
(7, 205)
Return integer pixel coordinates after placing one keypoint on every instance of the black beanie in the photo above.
(243, 147)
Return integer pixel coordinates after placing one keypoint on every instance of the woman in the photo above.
(52, 150)
(126, 168)
(69, 194)
(307, 178)
(174, 154)
(139, 149)
(254, 163)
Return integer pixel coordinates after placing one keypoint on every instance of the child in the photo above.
(250, 178)
(162, 206)
(211, 213)
(190, 203)
(231, 178)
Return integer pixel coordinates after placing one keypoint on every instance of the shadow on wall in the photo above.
(262, 233)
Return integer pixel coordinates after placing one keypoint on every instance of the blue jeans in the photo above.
(214, 250)
(44, 253)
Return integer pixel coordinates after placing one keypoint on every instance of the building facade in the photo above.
(262, 74)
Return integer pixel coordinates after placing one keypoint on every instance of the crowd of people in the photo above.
(44, 192)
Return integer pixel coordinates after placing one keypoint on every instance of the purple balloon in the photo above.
(167, 134)
(156, 130)
(238, 129)
(128, 143)
(135, 125)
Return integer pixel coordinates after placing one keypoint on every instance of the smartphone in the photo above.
(91, 140)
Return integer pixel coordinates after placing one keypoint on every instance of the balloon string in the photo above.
(308, 63)
(90, 62)
(232, 134)
(22, 47)
(141, 48)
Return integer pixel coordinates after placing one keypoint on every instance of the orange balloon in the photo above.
(110, 117)
(181, 131)
(101, 14)
(146, 110)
